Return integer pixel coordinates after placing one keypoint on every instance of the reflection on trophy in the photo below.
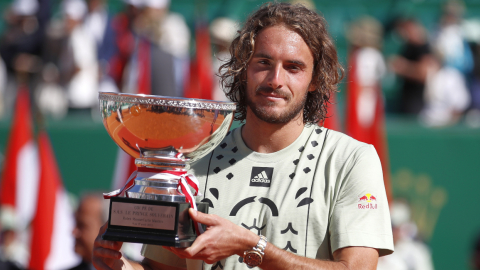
(164, 134)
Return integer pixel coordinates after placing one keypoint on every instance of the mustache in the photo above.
(267, 89)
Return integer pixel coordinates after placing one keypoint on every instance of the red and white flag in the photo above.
(332, 121)
(200, 83)
(124, 167)
(365, 105)
(19, 179)
(52, 242)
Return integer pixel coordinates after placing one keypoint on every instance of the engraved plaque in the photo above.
(143, 216)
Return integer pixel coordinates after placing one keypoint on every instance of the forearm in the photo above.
(277, 259)
(363, 258)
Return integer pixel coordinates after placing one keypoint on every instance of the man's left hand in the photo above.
(221, 239)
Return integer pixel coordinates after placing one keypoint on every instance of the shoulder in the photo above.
(338, 141)
(344, 151)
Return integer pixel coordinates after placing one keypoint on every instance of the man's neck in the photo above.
(263, 137)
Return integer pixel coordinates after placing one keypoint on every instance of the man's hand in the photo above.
(106, 254)
(221, 239)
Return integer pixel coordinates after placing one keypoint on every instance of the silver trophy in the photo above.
(165, 135)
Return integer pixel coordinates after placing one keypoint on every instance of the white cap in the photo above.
(159, 4)
(25, 7)
(75, 9)
(399, 213)
(223, 30)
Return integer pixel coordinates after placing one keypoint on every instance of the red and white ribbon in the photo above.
(184, 181)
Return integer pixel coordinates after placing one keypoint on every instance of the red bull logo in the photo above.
(366, 202)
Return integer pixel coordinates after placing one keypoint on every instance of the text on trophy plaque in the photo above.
(143, 215)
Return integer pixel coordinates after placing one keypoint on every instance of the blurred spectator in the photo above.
(50, 97)
(446, 95)
(79, 63)
(476, 254)
(364, 84)
(222, 31)
(21, 43)
(159, 60)
(124, 38)
(412, 65)
(13, 252)
(410, 253)
(3, 85)
(99, 24)
(91, 214)
(471, 31)
(449, 41)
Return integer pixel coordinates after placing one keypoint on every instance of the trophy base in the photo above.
(151, 222)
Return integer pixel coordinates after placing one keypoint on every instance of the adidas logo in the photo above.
(261, 176)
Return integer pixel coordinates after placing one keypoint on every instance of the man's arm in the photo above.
(344, 259)
(223, 239)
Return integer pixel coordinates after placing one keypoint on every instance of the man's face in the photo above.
(88, 222)
(278, 76)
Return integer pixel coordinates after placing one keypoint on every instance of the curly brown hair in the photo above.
(327, 71)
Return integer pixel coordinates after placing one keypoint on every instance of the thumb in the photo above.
(203, 218)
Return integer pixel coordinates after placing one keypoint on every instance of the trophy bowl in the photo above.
(164, 135)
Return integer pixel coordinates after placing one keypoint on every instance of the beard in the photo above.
(262, 112)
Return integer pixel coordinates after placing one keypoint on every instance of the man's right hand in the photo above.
(106, 254)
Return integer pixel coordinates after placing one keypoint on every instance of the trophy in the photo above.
(165, 135)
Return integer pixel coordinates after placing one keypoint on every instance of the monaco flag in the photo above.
(124, 167)
(52, 243)
(200, 82)
(365, 119)
(19, 179)
(332, 121)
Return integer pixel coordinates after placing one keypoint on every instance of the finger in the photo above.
(113, 245)
(203, 218)
(180, 252)
(107, 253)
(197, 246)
(100, 265)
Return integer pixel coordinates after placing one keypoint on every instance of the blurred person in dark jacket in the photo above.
(411, 65)
(22, 41)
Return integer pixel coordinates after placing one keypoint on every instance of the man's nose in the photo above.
(276, 77)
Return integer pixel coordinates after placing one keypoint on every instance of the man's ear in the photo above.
(311, 87)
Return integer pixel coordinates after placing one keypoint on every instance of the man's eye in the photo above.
(294, 68)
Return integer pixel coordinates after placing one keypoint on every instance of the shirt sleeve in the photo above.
(360, 216)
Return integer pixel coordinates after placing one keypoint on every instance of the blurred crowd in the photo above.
(67, 58)
(439, 70)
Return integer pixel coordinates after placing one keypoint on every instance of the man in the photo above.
(317, 195)
(90, 215)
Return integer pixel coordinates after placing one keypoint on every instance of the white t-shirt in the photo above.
(323, 192)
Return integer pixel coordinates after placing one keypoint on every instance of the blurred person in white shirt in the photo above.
(80, 61)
